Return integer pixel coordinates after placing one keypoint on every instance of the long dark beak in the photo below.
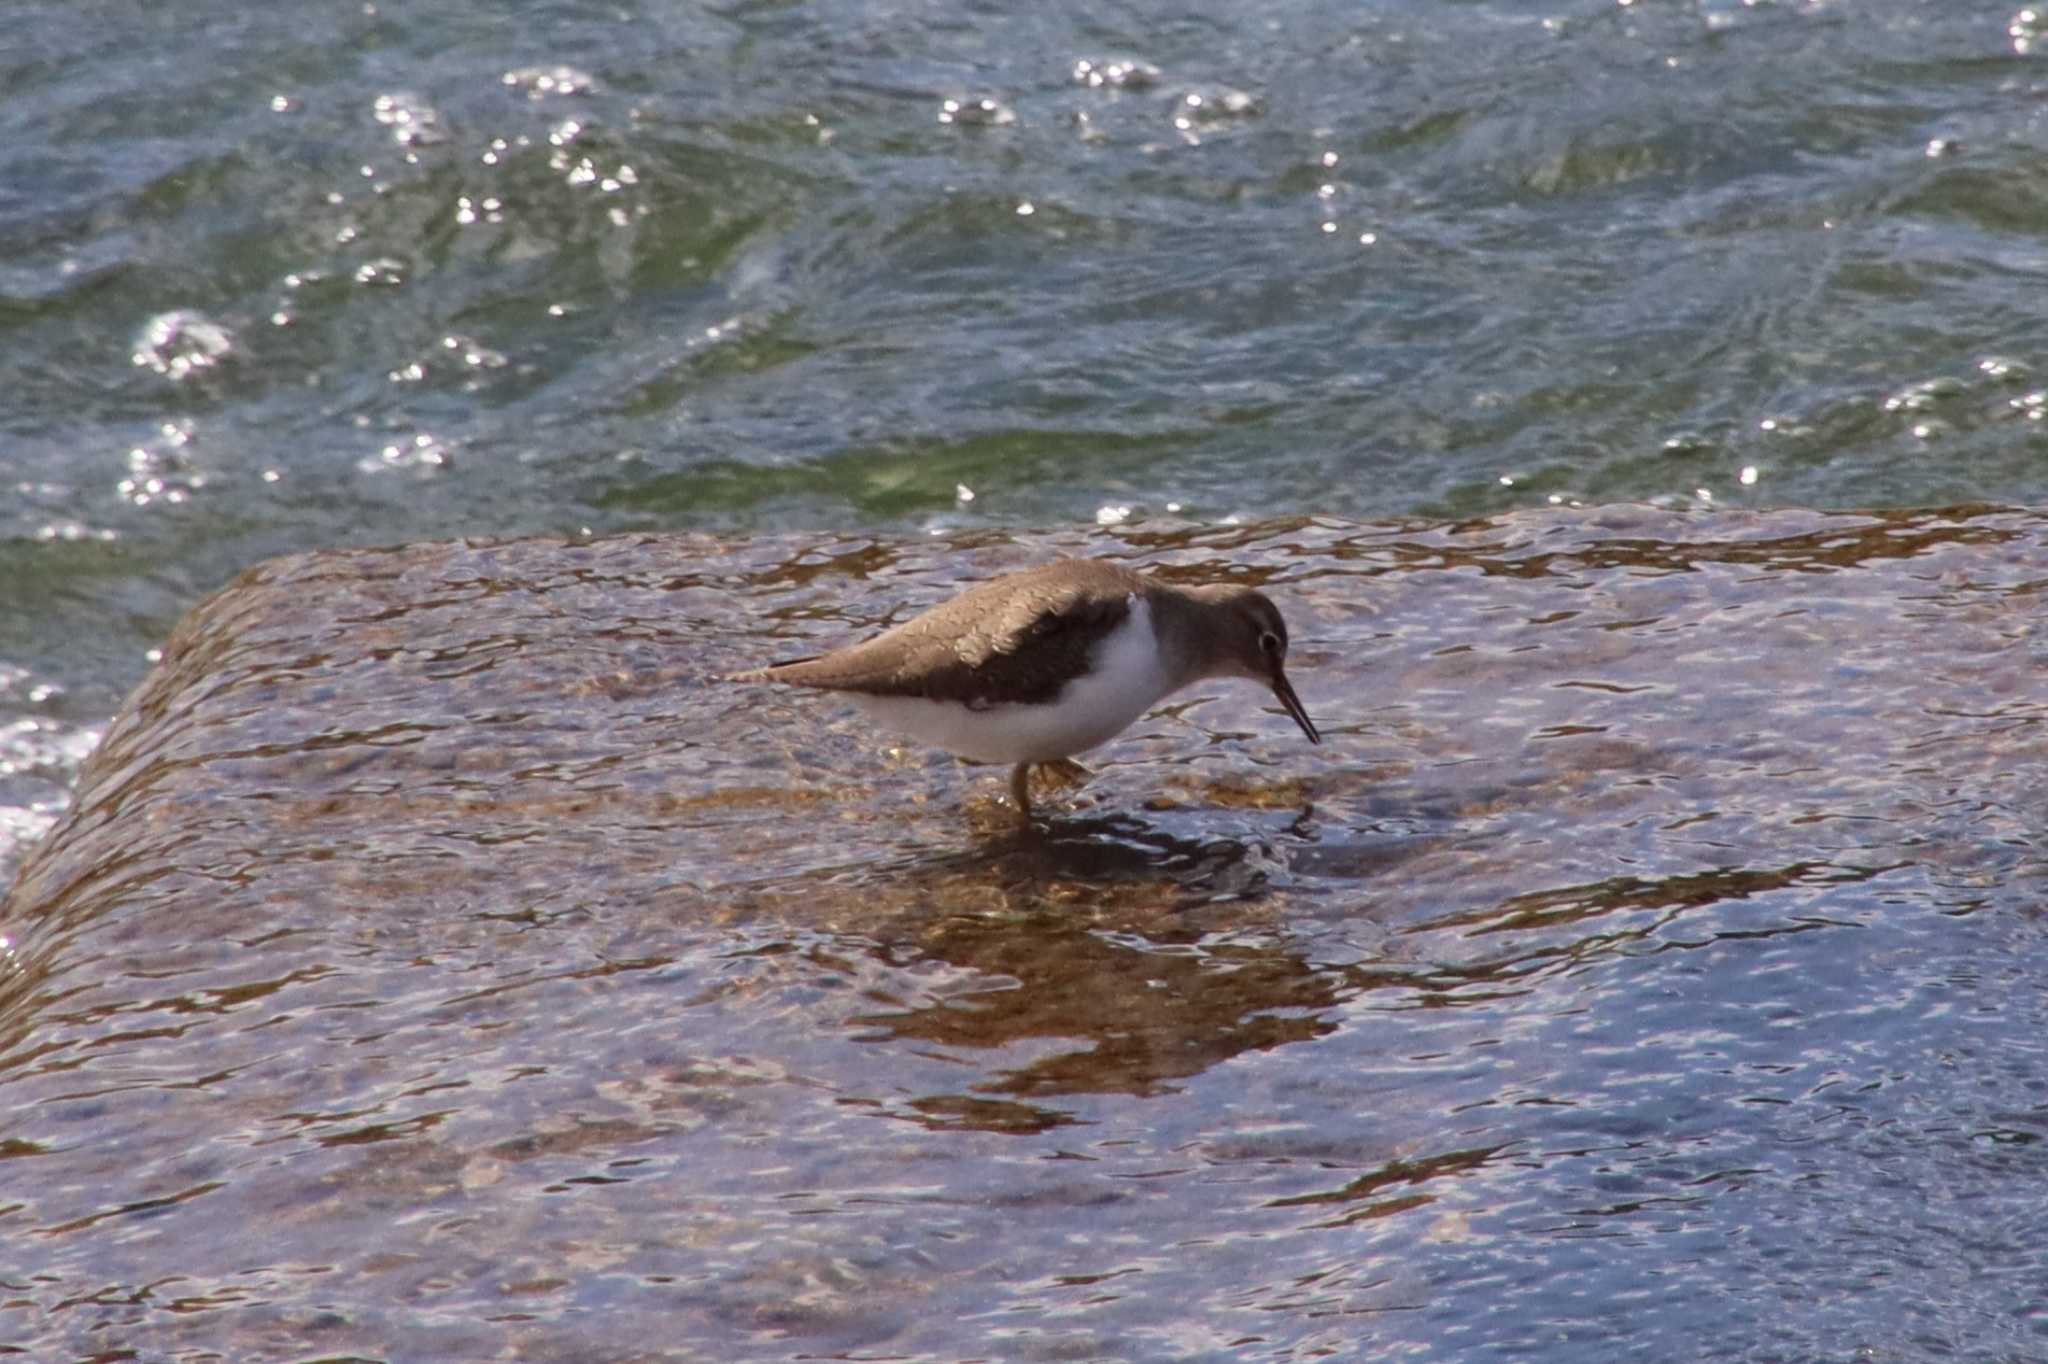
(1283, 689)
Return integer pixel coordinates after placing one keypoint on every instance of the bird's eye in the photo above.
(1270, 643)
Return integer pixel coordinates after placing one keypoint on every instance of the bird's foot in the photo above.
(1066, 771)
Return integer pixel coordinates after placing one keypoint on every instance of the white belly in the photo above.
(1126, 682)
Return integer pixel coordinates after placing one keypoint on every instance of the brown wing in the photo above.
(1017, 638)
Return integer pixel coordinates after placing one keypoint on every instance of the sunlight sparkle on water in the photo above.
(980, 113)
(413, 122)
(422, 454)
(2025, 30)
(539, 82)
(1124, 73)
(181, 343)
(383, 272)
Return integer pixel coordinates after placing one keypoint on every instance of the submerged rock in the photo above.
(442, 887)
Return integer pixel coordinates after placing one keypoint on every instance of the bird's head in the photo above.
(1251, 642)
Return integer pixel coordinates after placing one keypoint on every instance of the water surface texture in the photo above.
(438, 963)
(281, 277)
(432, 965)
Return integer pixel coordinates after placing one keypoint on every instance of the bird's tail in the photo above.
(766, 674)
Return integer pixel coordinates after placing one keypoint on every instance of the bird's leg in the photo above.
(1020, 789)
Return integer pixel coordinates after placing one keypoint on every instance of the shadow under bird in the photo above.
(1037, 666)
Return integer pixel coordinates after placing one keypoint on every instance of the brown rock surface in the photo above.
(418, 893)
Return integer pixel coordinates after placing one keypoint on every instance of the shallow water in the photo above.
(438, 964)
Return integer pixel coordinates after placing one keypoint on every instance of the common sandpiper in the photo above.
(1034, 667)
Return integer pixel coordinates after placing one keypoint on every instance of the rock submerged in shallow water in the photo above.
(533, 719)
(433, 952)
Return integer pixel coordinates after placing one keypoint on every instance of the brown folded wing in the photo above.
(1018, 639)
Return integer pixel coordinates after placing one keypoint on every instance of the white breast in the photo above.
(1125, 682)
